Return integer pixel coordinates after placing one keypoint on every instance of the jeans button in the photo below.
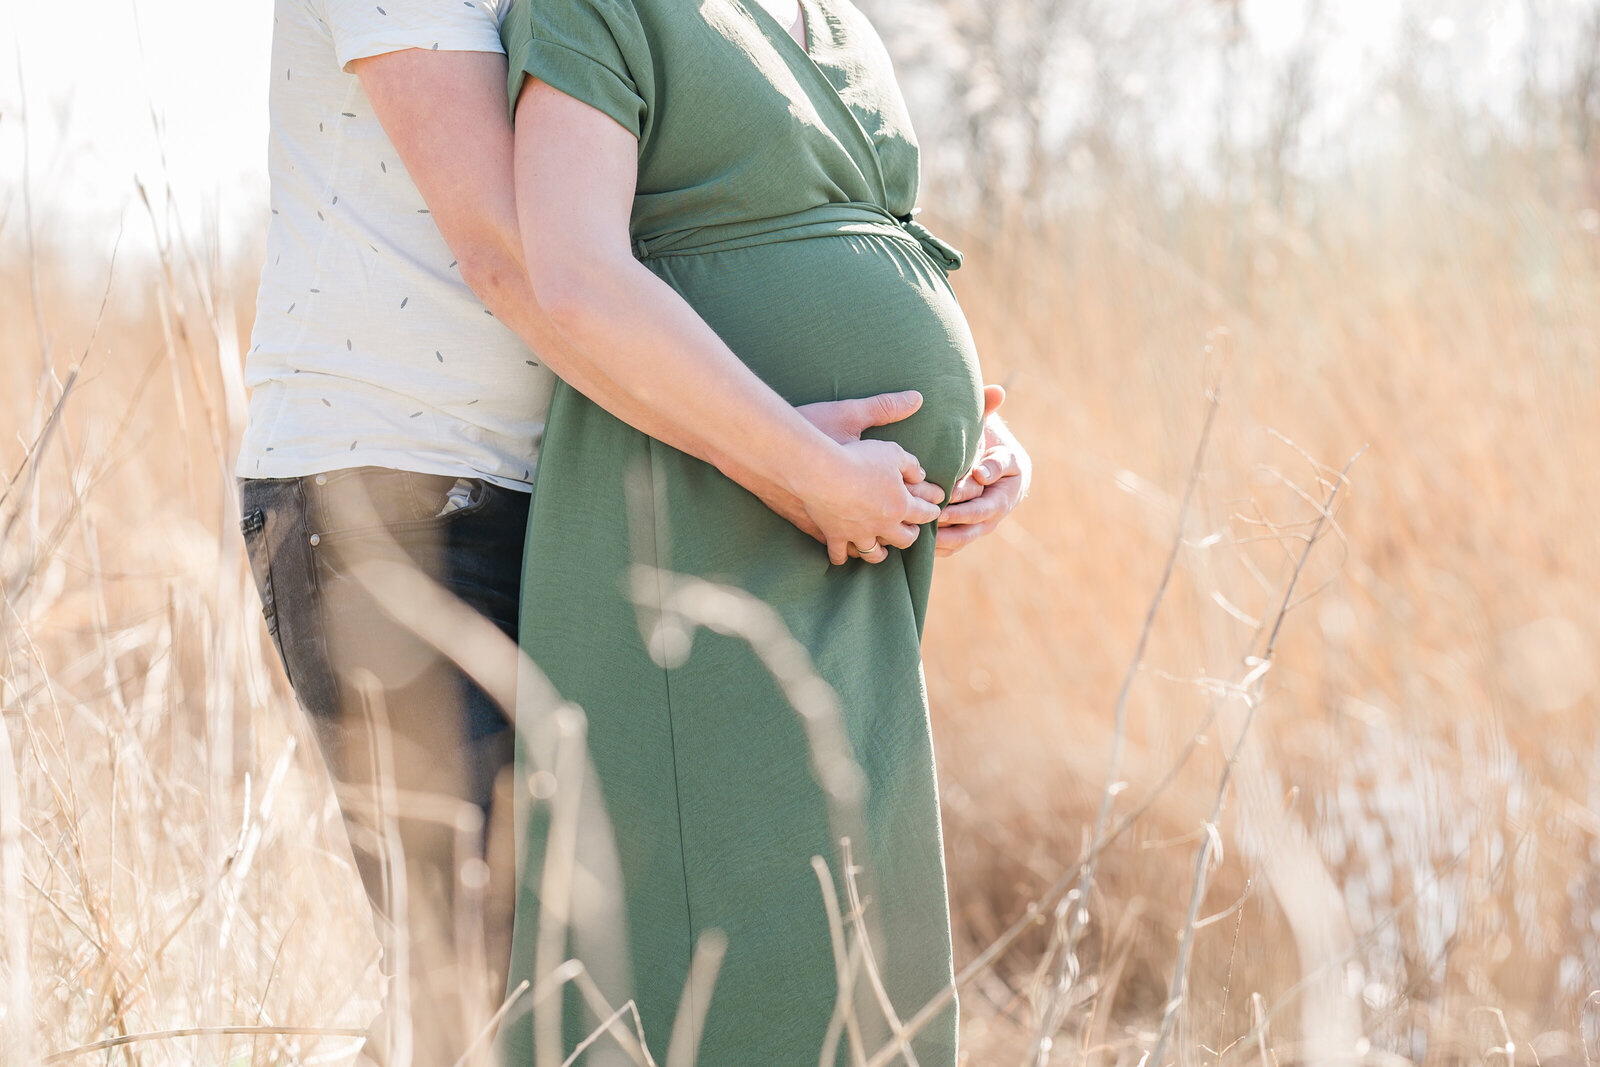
(316, 539)
(322, 479)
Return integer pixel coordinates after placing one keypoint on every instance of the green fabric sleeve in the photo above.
(587, 49)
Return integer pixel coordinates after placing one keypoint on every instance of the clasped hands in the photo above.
(877, 495)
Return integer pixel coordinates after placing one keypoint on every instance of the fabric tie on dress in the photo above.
(942, 252)
(822, 221)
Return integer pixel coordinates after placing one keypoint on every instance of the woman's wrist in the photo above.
(813, 468)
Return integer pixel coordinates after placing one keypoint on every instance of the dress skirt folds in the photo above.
(775, 189)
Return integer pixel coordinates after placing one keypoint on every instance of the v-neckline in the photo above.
(806, 46)
(809, 56)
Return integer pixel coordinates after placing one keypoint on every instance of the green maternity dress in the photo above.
(776, 184)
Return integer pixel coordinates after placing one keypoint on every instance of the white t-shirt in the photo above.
(368, 348)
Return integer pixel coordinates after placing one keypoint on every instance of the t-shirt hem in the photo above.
(257, 466)
(366, 45)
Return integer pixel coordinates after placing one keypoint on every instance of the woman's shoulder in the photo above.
(532, 16)
(575, 23)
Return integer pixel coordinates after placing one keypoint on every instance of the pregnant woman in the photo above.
(702, 182)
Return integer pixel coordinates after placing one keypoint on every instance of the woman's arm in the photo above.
(626, 329)
(446, 116)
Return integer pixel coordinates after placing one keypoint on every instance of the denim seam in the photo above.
(314, 578)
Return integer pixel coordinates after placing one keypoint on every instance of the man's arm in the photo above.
(446, 114)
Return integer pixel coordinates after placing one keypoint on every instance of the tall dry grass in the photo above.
(1426, 744)
(1391, 820)
(181, 865)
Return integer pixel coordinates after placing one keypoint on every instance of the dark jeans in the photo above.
(388, 710)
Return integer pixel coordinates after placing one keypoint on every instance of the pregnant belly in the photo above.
(847, 315)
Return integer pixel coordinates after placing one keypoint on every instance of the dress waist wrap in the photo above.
(825, 220)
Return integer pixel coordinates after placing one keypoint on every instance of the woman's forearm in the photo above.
(512, 301)
(631, 332)
(502, 283)
(637, 332)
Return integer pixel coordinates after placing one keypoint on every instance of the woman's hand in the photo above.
(996, 484)
(846, 420)
(843, 421)
(871, 494)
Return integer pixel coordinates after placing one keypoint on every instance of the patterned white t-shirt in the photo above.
(368, 348)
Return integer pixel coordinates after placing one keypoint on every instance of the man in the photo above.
(400, 368)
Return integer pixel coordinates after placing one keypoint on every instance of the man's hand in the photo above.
(997, 483)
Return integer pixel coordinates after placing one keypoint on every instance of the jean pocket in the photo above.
(347, 505)
(461, 497)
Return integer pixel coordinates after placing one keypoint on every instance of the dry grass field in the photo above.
(1352, 789)
(1413, 814)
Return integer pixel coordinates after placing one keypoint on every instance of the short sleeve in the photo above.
(595, 51)
(362, 28)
